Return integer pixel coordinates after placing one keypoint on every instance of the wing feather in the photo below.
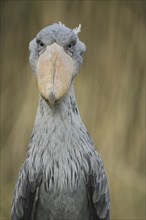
(25, 196)
(99, 193)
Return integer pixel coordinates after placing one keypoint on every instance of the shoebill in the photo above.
(63, 177)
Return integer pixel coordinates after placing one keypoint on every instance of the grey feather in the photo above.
(63, 176)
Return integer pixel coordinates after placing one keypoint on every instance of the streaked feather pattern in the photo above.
(63, 176)
(63, 159)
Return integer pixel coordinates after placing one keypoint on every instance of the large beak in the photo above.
(54, 73)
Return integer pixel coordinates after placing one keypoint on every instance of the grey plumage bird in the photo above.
(63, 177)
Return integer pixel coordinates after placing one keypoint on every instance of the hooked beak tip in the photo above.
(51, 99)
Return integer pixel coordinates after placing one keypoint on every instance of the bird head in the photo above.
(55, 57)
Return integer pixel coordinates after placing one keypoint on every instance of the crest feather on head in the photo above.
(75, 30)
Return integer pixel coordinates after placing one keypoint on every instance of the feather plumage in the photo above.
(63, 176)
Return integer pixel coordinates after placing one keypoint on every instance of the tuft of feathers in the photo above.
(75, 30)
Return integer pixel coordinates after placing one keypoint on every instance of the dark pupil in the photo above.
(41, 44)
(70, 45)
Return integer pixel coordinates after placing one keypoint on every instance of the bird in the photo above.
(63, 176)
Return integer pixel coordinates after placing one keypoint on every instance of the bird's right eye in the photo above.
(40, 43)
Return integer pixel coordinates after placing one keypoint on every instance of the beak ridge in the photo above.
(54, 73)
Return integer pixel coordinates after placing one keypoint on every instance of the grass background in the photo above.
(110, 91)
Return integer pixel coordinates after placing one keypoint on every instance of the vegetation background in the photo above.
(109, 90)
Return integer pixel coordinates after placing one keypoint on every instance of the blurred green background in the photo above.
(109, 91)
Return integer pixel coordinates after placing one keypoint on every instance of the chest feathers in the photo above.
(60, 148)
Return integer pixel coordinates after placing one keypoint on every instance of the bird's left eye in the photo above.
(71, 44)
(69, 48)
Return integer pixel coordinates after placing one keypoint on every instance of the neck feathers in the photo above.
(59, 143)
